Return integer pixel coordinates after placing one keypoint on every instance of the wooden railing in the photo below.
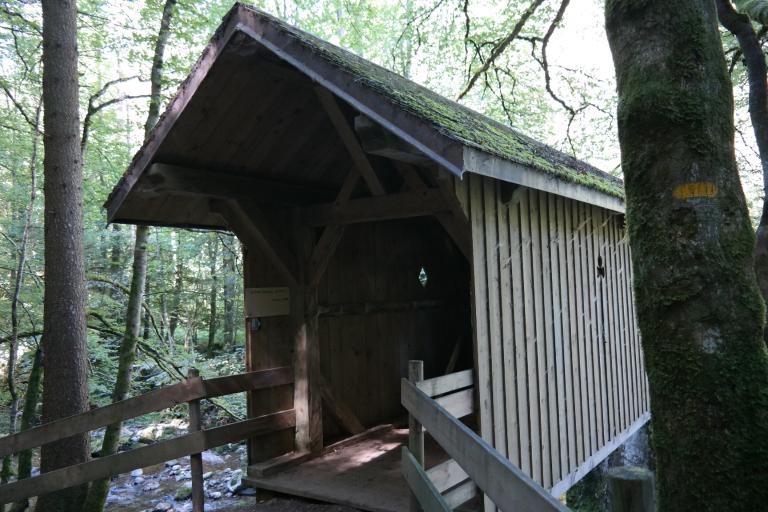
(436, 405)
(195, 442)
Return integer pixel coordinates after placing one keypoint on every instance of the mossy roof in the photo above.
(454, 120)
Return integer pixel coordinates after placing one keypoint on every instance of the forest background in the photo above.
(553, 80)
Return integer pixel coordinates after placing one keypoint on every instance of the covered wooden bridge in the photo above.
(384, 223)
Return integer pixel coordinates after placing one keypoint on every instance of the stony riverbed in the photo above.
(166, 487)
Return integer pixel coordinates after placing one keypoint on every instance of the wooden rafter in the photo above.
(339, 409)
(251, 226)
(348, 138)
(329, 240)
(454, 222)
(179, 180)
(392, 206)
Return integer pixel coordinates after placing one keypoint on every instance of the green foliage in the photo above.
(755, 9)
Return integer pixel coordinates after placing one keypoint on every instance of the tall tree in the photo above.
(65, 364)
(213, 254)
(99, 489)
(229, 293)
(698, 306)
(21, 259)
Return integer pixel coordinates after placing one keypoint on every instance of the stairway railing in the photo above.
(473, 461)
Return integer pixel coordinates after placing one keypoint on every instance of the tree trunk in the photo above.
(229, 295)
(698, 306)
(97, 494)
(178, 289)
(116, 254)
(757, 77)
(27, 416)
(212, 323)
(146, 322)
(99, 489)
(13, 344)
(65, 389)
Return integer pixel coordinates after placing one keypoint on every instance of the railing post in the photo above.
(631, 489)
(415, 430)
(196, 459)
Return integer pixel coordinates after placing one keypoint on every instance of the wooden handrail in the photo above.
(157, 400)
(446, 383)
(113, 465)
(504, 483)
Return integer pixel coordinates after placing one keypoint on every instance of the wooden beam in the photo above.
(153, 401)
(447, 383)
(422, 488)
(348, 138)
(179, 180)
(332, 235)
(307, 389)
(254, 230)
(278, 464)
(502, 481)
(454, 221)
(371, 209)
(340, 410)
(375, 140)
(114, 465)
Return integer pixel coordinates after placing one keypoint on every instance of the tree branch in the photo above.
(499, 49)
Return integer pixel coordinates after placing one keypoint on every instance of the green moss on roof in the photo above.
(456, 121)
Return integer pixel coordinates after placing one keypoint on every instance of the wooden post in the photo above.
(307, 391)
(631, 489)
(196, 459)
(415, 431)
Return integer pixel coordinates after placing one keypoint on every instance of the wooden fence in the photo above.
(435, 405)
(196, 441)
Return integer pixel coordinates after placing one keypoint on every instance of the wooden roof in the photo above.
(248, 123)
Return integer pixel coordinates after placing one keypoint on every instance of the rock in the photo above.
(176, 467)
(151, 486)
(163, 506)
(150, 434)
(235, 482)
(137, 472)
(138, 480)
(207, 475)
(214, 495)
(211, 458)
(183, 493)
(171, 463)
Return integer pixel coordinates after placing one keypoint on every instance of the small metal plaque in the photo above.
(262, 302)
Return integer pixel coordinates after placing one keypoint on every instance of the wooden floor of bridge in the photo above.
(363, 474)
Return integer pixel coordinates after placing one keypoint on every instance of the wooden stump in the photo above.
(631, 489)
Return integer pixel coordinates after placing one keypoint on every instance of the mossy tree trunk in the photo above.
(698, 306)
(99, 489)
(27, 416)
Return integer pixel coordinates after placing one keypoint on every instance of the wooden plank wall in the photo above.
(364, 354)
(559, 365)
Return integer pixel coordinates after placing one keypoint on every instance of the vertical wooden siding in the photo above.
(560, 372)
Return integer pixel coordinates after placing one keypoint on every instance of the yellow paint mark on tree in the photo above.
(695, 190)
